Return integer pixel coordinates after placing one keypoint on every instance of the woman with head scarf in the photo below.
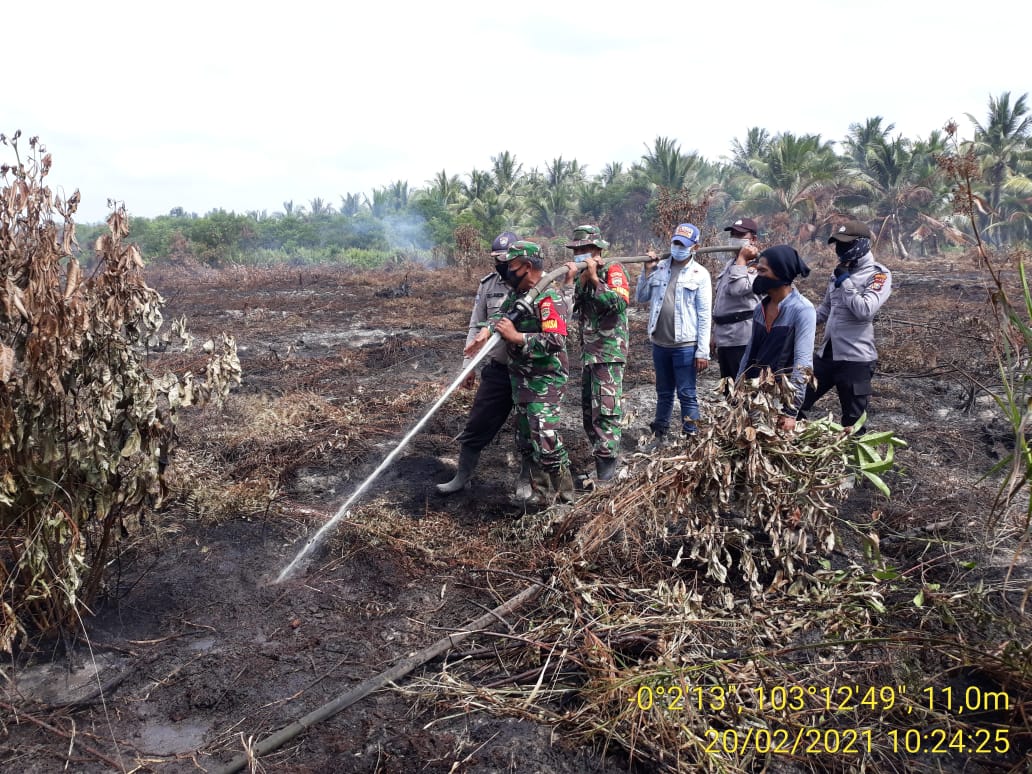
(784, 324)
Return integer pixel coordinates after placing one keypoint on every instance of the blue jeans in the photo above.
(675, 370)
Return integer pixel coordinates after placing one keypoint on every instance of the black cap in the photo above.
(502, 242)
(849, 231)
(744, 225)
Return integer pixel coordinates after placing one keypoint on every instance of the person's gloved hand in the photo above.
(841, 272)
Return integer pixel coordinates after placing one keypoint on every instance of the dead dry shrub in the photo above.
(86, 429)
(695, 618)
(676, 207)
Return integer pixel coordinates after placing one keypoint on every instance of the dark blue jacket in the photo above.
(787, 347)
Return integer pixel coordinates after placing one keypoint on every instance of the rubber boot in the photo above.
(468, 459)
(605, 468)
(523, 488)
(541, 485)
(562, 485)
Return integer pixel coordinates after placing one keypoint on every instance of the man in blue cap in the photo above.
(679, 293)
(492, 403)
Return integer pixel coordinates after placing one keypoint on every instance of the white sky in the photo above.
(247, 105)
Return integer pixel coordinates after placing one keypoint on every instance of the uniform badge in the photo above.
(878, 281)
(551, 320)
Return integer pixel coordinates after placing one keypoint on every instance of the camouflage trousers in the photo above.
(602, 407)
(537, 435)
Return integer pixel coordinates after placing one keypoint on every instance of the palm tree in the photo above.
(480, 182)
(506, 172)
(318, 208)
(1002, 146)
(862, 137)
(292, 211)
(796, 182)
(894, 182)
(756, 145)
(350, 204)
(665, 165)
(444, 188)
(552, 198)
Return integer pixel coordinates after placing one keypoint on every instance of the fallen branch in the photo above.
(366, 687)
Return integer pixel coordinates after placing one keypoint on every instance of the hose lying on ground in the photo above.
(366, 687)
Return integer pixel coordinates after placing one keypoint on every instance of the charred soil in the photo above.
(203, 654)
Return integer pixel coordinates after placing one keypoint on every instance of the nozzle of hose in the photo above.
(520, 310)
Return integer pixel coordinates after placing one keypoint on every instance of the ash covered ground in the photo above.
(197, 654)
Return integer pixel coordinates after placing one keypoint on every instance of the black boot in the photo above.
(605, 468)
(543, 493)
(468, 459)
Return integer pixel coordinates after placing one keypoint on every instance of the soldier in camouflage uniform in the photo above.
(600, 296)
(538, 368)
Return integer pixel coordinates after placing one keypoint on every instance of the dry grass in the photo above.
(704, 614)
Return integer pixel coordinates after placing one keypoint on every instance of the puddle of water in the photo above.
(171, 738)
(204, 643)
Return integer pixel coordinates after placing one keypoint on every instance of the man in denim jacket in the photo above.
(680, 295)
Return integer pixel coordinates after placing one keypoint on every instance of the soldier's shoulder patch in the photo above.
(551, 318)
(617, 280)
(878, 281)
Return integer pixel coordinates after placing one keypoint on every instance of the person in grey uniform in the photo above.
(734, 300)
(846, 357)
(492, 403)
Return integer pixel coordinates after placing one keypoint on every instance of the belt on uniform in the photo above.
(727, 319)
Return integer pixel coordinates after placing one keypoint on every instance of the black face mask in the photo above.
(761, 286)
(502, 269)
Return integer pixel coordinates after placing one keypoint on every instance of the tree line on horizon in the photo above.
(796, 185)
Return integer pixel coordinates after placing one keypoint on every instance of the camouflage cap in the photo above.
(528, 250)
(587, 235)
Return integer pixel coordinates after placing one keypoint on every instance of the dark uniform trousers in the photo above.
(729, 359)
(491, 407)
(852, 382)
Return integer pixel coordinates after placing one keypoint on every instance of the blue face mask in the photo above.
(679, 253)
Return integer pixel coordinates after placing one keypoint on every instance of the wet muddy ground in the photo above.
(195, 654)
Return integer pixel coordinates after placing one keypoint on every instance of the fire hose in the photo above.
(524, 306)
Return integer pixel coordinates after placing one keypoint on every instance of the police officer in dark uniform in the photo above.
(493, 400)
(846, 357)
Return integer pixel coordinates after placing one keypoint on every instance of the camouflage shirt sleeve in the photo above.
(613, 291)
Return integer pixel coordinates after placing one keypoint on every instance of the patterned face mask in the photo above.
(848, 252)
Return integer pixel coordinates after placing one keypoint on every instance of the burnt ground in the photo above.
(202, 654)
